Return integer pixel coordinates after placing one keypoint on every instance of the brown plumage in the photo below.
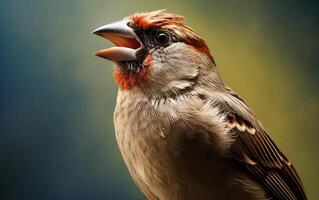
(183, 134)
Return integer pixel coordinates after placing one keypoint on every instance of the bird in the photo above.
(182, 132)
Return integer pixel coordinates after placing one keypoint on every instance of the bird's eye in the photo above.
(162, 38)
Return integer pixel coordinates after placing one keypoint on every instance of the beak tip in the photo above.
(119, 27)
(96, 32)
(100, 30)
(97, 54)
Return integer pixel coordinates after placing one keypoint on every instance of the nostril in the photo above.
(130, 24)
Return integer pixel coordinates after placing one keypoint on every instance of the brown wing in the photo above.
(259, 154)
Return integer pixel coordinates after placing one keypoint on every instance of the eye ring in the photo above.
(162, 38)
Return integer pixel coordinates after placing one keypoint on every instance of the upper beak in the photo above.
(123, 36)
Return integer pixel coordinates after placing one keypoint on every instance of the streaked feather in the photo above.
(258, 153)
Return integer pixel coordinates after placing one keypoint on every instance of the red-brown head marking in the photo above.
(171, 22)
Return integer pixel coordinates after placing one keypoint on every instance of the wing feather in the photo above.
(258, 153)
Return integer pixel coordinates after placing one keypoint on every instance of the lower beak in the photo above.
(117, 54)
(123, 36)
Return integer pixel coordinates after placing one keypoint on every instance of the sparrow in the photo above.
(184, 134)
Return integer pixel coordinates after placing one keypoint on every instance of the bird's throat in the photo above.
(127, 79)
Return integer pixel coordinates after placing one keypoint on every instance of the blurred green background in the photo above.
(57, 99)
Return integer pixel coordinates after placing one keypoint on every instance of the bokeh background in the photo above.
(57, 99)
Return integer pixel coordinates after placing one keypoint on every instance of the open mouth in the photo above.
(126, 41)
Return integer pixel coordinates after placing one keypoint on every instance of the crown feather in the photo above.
(171, 22)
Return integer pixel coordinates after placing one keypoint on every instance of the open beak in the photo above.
(125, 39)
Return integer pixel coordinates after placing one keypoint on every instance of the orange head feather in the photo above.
(127, 79)
(174, 23)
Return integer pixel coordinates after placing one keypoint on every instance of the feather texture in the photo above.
(167, 21)
(259, 154)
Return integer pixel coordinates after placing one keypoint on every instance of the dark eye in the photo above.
(162, 38)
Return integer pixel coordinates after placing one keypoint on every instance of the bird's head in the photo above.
(156, 52)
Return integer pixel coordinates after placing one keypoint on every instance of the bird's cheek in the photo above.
(148, 60)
